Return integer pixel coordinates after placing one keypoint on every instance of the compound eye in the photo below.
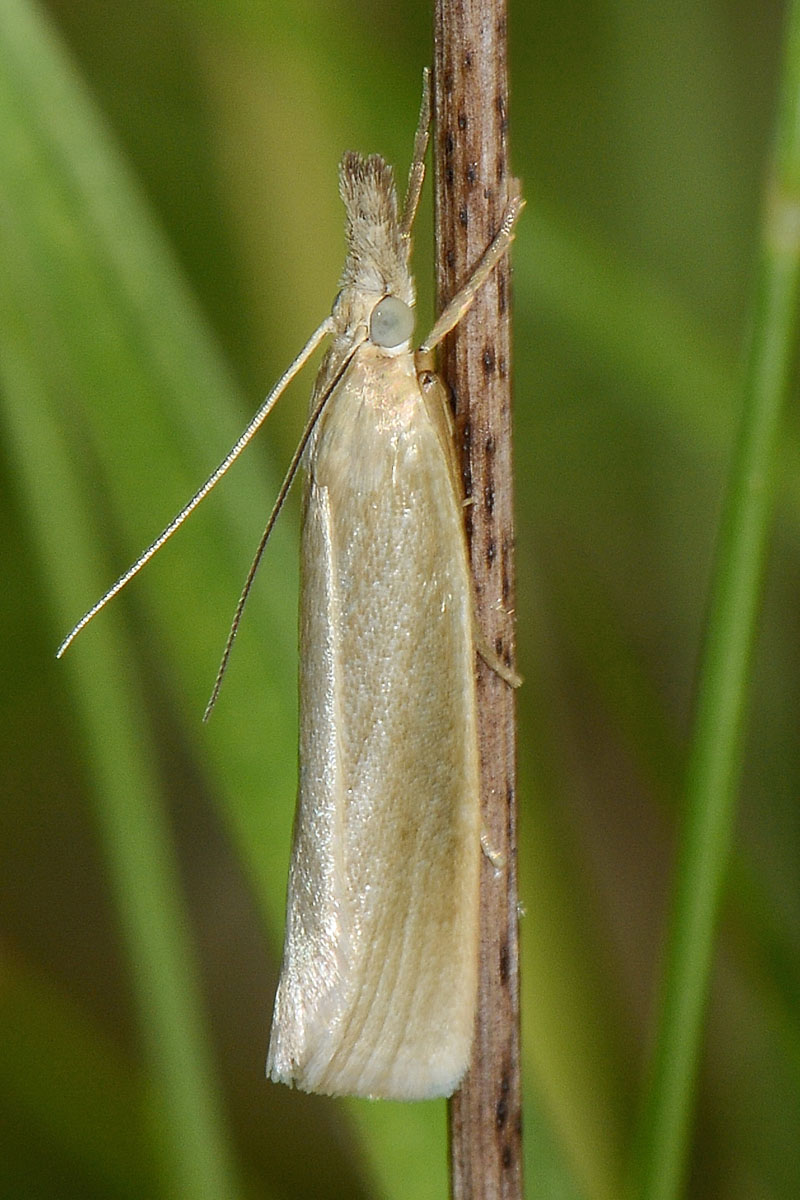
(391, 323)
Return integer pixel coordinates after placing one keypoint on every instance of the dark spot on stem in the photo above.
(504, 960)
(501, 1113)
(502, 292)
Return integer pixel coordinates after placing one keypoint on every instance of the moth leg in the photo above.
(416, 173)
(465, 295)
(494, 662)
(435, 397)
(495, 857)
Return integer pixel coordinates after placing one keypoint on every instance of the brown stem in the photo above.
(470, 156)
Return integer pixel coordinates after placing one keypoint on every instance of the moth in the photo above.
(378, 982)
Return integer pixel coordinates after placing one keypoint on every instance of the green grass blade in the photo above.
(715, 754)
(53, 150)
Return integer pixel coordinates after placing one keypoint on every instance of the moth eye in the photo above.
(391, 323)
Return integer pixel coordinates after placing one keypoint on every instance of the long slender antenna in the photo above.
(416, 172)
(464, 297)
(273, 516)
(325, 328)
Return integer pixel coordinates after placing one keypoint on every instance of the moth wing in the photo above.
(315, 946)
(387, 820)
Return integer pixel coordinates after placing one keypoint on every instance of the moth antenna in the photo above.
(416, 173)
(461, 302)
(298, 363)
(273, 516)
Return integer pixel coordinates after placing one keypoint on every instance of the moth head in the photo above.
(377, 252)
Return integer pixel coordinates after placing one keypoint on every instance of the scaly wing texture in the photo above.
(377, 988)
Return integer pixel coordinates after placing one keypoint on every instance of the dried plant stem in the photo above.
(470, 154)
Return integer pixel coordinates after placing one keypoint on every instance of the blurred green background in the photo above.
(170, 233)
